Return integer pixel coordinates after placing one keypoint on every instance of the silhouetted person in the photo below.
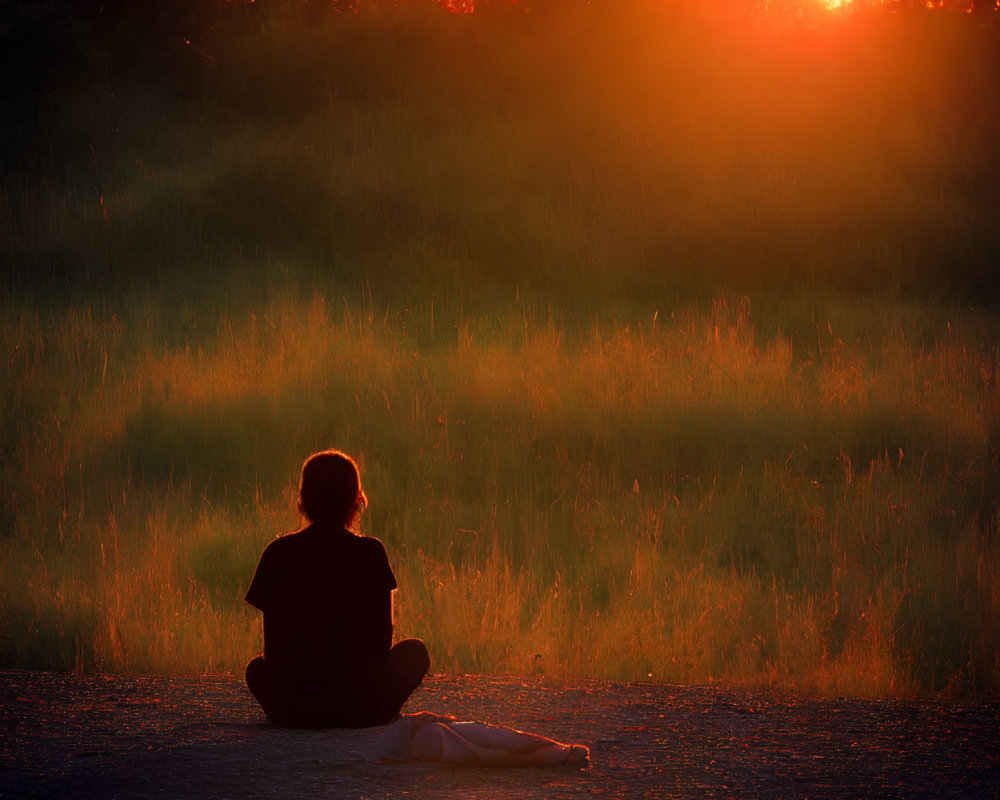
(326, 594)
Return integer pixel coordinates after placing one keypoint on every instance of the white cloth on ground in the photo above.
(432, 737)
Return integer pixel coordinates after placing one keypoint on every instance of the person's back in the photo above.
(326, 594)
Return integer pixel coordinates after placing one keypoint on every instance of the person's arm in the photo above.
(385, 580)
(387, 621)
(280, 639)
(259, 593)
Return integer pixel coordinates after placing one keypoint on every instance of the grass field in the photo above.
(665, 357)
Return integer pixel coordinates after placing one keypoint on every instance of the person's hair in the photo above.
(330, 492)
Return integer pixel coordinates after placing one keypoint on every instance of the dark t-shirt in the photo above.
(326, 597)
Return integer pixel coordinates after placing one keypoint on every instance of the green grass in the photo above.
(677, 498)
(667, 358)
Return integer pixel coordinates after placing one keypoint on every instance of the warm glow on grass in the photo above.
(691, 497)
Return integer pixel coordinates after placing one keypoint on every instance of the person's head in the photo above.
(330, 492)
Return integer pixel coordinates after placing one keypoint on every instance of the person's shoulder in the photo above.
(287, 541)
(376, 559)
(370, 543)
(370, 549)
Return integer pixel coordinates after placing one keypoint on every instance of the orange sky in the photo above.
(468, 6)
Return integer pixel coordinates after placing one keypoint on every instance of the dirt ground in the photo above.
(77, 736)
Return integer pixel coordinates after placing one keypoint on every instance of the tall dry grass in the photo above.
(674, 497)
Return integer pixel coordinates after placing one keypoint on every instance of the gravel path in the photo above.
(75, 736)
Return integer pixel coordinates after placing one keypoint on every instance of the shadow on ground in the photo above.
(76, 736)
